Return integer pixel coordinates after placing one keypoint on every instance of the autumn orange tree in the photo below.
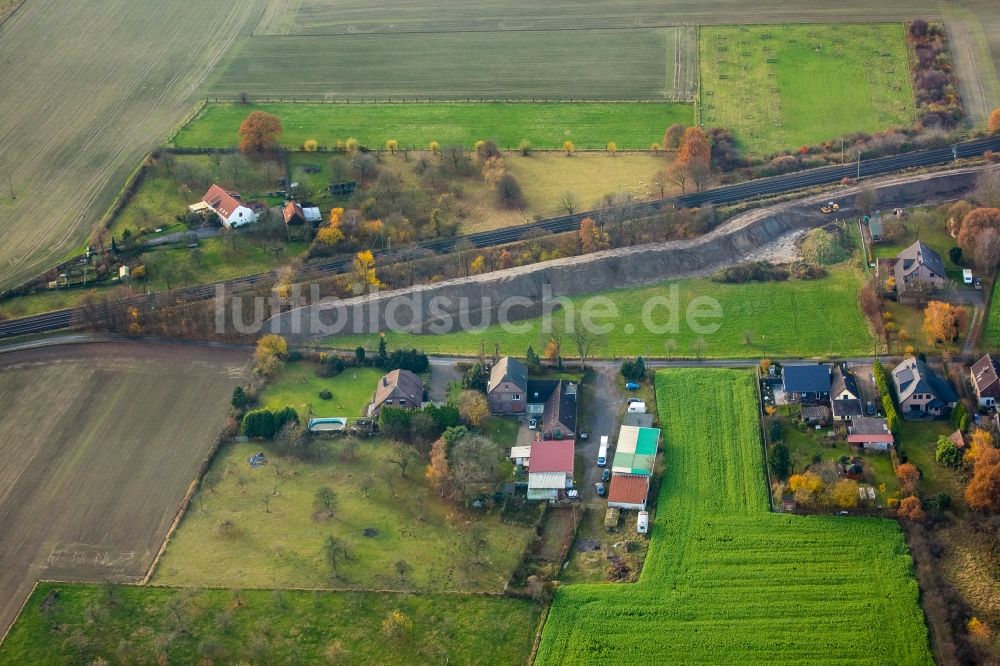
(592, 238)
(259, 132)
(982, 441)
(807, 487)
(983, 491)
(909, 477)
(911, 509)
(845, 493)
(943, 321)
(974, 223)
(438, 472)
(993, 124)
(695, 155)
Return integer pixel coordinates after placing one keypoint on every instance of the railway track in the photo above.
(747, 191)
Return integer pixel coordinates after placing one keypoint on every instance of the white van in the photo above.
(967, 276)
(602, 453)
(642, 522)
(638, 407)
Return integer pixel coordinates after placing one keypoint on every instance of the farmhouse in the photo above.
(399, 388)
(918, 269)
(986, 380)
(294, 213)
(550, 469)
(508, 387)
(920, 391)
(806, 382)
(870, 432)
(226, 205)
(845, 398)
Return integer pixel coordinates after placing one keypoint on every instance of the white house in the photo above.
(229, 209)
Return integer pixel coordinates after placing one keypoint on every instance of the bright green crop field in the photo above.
(545, 125)
(726, 581)
(782, 86)
(794, 318)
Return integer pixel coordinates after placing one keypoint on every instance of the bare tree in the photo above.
(569, 201)
(403, 456)
(584, 340)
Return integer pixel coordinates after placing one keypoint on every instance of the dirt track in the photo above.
(99, 444)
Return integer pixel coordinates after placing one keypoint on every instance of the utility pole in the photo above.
(859, 164)
(10, 184)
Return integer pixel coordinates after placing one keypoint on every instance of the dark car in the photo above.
(606, 476)
(601, 490)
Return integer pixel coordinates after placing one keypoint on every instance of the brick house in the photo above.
(399, 388)
(986, 380)
(919, 270)
(920, 391)
(508, 387)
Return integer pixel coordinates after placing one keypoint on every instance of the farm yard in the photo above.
(784, 86)
(545, 125)
(794, 318)
(727, 581)
(189, 626)
(67, 153)
(558, 64)
(382, 517)
(100, 445)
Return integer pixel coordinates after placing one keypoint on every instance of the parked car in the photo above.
(532, 424)
(602, 452)
(631, 400)
(583, 435)
(606, 476)
(573, 494)
(637, 407)
(601, 490)
(977, 283)
(632, 386)
(642, 522)
(870, 408)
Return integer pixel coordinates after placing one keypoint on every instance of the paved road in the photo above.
(762, 187)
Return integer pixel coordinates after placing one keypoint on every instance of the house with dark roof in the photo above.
(870, 432)
(806, 382)
(550, 468)
(559, 417)
(226, 206)
(399, 388)
(919, 270)
(508, 387)
(986, 380)
(920, 392)
(845, 398)
(294, 213)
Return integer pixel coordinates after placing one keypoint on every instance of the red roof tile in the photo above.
(552, 456)
(221, 201)
(628, 488)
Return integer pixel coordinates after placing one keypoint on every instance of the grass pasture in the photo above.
(455, 65)
(265, 627)
(280, 545)
(783, 86)
(299, 386)
(545, 125)
(100, 443)
(794, 318)
(725, 580)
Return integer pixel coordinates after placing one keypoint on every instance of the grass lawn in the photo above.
(782, 86)
(545, 125)
(268, 627)
(503, 431)
(911, 319)
(219, 258)
(545, 177)
(448, 64)
(796, 318)
(725, 580)
(990, 338)
(281, 544)
(298, 385)
(918, 440)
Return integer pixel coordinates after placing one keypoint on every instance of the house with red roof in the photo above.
(226, 205)
(629, 491)
(550, 468)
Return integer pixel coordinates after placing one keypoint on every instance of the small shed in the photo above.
(520, 455)
(611, 519)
